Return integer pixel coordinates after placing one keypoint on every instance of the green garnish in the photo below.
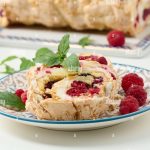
(47, 57)
(71, 63)
(63, 47)
(9, 70)
(8, 59)
(85, 41)
(10, 100)
(26, 63)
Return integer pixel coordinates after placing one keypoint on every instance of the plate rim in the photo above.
(99, 120)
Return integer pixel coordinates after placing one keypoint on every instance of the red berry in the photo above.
(24, 97)
(128, 105)
(102, 60)
(73, 92)
(131, 79)
(94, 90)
(77, 88)
(79, 84)
(116, 38)
(84, 57)
(124, 110)
(94, 58)
(139, 93)
(19, 92)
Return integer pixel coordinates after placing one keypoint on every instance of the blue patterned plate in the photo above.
(18, 80)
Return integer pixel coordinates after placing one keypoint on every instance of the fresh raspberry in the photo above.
(116, 38)
(131, 79)
(139, 93)
(94, 90)
(102, 60)
(19, 92)
(128, 105)
(124, 110)
(24, 97)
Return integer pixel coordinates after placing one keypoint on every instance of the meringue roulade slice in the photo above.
(56, 94)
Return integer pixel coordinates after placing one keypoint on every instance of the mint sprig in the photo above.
(9, 70)
(26, 63)
(63, 47)
(10, 100)
(85, 41)
(8, 59)
(71, 63)
(47, 57)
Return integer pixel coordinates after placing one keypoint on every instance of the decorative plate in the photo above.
(18, 80)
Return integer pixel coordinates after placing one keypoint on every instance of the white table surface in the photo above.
(132, 135)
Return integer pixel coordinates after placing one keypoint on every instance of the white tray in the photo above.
(36, 37)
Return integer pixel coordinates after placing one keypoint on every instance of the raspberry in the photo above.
(79, 84)
(102, 60)
(24, 97)
(19, 92)
(84, 57)
(94, 58)
(124, 110)
(73, 92)
(94, 90)
(116, 38)
(131, 79)
(77, 88)
(139, 93)
(128, 105)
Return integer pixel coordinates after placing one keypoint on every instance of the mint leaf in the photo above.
(9, 70)
(85, 41)
(63, 47)
(46, 57)
(10, 100)
(42, 52)
(26, 63)
(71, 63)
(8, 59)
